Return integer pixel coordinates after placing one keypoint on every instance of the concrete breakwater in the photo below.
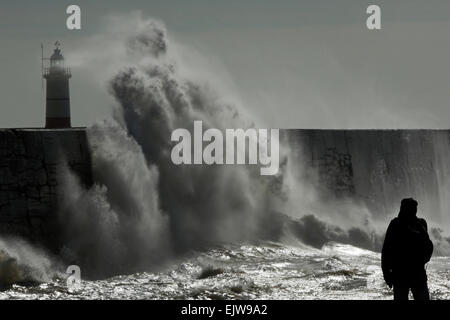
(31, 161)
(376, 168)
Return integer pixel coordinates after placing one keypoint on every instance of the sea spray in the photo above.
(23, 263)
(143, 210)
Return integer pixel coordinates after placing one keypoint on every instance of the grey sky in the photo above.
(304, 64)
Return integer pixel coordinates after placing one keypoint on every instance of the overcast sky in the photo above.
(294, 64)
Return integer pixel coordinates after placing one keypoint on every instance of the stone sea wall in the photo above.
(375, 168)
(31, 161)
(378, 168)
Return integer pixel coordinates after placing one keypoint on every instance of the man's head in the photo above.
(408, 208)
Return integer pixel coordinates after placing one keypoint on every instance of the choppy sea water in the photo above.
(268, 271)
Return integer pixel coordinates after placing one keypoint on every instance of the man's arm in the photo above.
(387, 253)
(427, 243)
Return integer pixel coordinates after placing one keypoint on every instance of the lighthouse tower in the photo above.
(57, 113)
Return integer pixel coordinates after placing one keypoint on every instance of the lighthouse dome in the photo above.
(57, 55)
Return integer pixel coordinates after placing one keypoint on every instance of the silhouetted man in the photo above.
(406, 249)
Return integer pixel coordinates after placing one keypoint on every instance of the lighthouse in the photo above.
(57, 107)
